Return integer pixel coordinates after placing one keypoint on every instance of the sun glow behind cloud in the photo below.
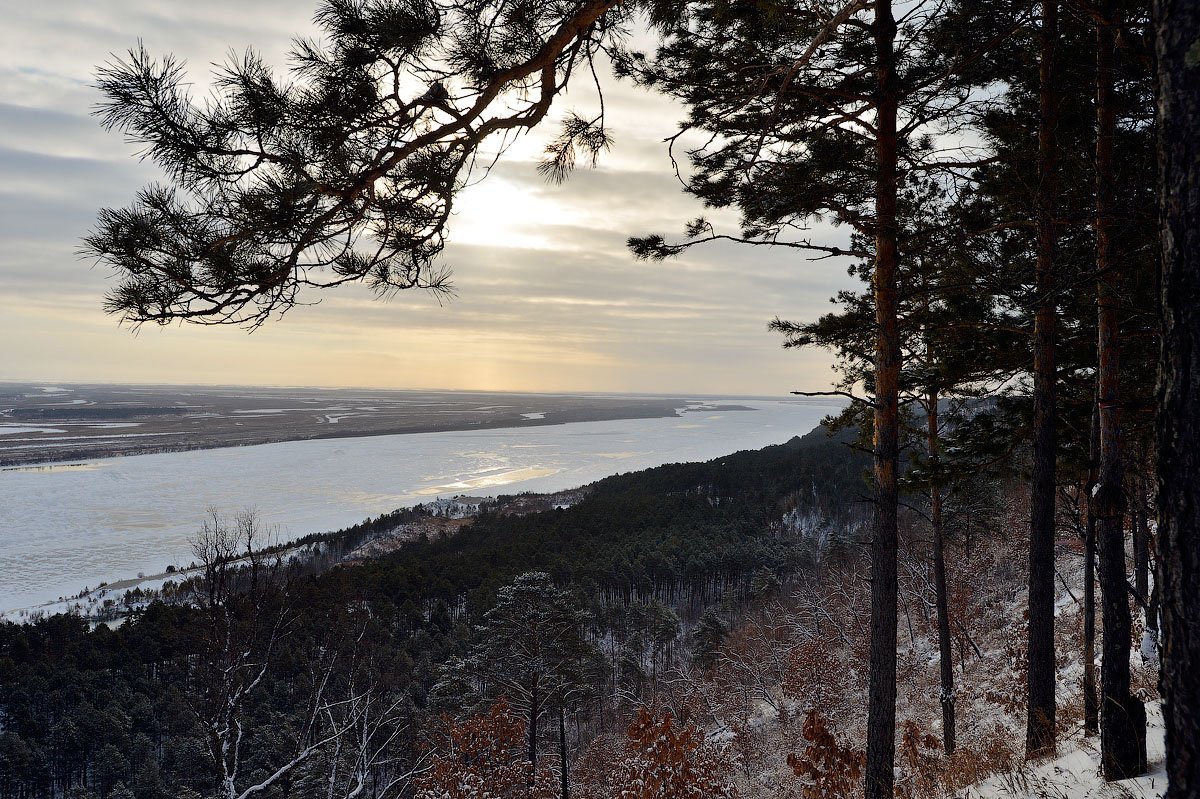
(498, 212)
(548, 297)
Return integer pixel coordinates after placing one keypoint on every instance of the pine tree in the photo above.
(1122, 716)
(952, 349)
(344, 170)
(804, 105)
(1177, 27)
(530, 649)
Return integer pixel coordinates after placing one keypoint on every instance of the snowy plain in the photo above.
(64, 527)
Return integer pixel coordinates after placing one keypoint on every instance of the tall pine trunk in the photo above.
(1039, 734)
(945, 654)
(881, 708)
(1091, 701)
(1177, 26)
(1122, 716)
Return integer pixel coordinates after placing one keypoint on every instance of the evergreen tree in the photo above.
(1122, 718)
(707, 638)
(804, 108)
(1177, 30)
(531, 650)
(953, 349)
(347, 169)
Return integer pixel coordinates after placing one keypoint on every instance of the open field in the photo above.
(41, 422)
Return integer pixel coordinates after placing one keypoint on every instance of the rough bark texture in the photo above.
(1177, 25)
(881, 710)
(1122, 715)
(535, 710)
(564, 782)
(1141, 543)
(1039, 735)
(1091, 701)
(945, 654)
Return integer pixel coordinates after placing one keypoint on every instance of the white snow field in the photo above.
(69, 526)
(1075, 772)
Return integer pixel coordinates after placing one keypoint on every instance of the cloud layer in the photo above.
(548, 297)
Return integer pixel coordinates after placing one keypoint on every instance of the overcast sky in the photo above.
(548, 297)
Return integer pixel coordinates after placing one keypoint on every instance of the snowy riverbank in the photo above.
(70, 526)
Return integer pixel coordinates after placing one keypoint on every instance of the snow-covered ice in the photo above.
(66, 527)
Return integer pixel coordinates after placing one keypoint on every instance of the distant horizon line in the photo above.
(547, 392)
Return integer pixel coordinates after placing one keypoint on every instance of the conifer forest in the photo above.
(980, 578)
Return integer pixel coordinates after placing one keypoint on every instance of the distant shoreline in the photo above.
(10, 462)
(51, 424)
(122, 516)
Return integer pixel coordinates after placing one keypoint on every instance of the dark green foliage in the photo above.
(634, 563)
(707, 638)
(346, 169)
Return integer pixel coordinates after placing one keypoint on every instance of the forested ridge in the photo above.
(116, 712)
(1015, 186)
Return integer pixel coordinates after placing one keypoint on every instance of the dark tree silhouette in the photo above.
(346, 169)
(530, 649)
(1177, 25)
(1039, 736)
(1123, 718)
(818, 112)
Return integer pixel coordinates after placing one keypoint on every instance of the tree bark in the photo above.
(945, 653)
(1039, 734)
(1122, 716)
(1143, 544)
(534, 711)
(1091, 702)
(1177, 26)
(1141, 540)
(881, 709)
(562, 753)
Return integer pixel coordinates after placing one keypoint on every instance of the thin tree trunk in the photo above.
(1141, 538)
(1039, 735)
(1177, 25)
(562, 752)
(1122, 716)
(534, 711)
(1143, 543)
(881, 708)
(945, 653)
(1091, 701)
(1151, 595)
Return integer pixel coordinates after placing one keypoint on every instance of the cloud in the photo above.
(548, 296)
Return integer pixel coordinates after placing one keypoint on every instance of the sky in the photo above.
(548, 297)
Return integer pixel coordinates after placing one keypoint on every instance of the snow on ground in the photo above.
(12, 429)
(1075, 773)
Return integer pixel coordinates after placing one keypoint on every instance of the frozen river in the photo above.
(64, 527)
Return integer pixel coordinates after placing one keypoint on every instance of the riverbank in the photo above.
(63, 423)
(62, 528)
